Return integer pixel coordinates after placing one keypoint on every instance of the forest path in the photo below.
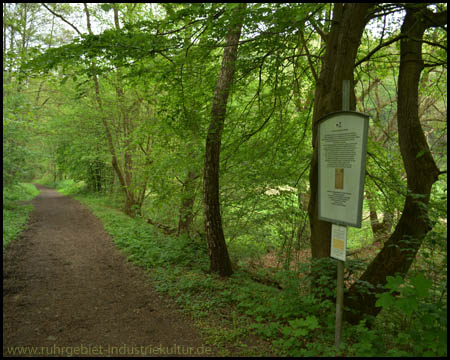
(68, 289)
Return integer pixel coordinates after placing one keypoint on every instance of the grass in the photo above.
(15, 213)
(242, 315)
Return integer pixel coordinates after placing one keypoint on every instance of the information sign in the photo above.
(338, 242)
(342, 156)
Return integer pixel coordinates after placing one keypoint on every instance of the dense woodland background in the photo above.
(199, 122)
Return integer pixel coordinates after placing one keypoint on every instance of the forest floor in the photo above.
(68, 291)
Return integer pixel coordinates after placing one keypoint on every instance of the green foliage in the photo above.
(292, 319)
(369, 342)
(296, 335)
(323, 272)
(423, 329)
(17, 123)
(15, 214)
(19, 192)
(70, 187)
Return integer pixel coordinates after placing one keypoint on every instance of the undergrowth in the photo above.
(15, 213)
(242, 315)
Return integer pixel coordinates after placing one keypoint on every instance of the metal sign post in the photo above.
(340, 285)
(342, 157)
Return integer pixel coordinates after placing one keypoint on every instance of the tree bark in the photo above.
(342, 44)
(187, 204)
(219, 259)
(400, 250)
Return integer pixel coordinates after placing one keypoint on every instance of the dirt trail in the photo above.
(67, 290)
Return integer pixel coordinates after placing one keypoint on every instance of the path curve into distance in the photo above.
(68, 289)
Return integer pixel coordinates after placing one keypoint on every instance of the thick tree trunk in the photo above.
(400, 250)
(342, 44)
(218, 253)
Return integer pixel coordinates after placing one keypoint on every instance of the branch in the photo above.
(322, 33)
(301, 174)
(435, 44)
(44, 103)
(373, 177)
(384, 10)
(311, 65)
(374, 50)
(369, 89)
(436, 19)
(435, 64)
(182, 183)
(215, 17)
(377, 185)
(248, 136)
(62, 18)
(166, 229)
(88, 18)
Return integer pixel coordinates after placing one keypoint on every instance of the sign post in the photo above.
(342, 156)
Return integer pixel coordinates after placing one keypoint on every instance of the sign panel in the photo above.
(342, 144)
(338, 242)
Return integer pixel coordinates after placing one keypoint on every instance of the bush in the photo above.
(15, 214)
(422, 325)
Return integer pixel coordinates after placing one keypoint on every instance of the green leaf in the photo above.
(287, 331)
(407, 305)
(421, 285)
(300, 332)
(393, 283)
(384, 300)
(420, 153)
(106, 7)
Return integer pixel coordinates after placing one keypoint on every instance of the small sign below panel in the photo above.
(338, 242)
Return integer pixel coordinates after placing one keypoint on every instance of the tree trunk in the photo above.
(114, 161)
(342, 44)
(217, 248)
(380, 230)
(187, 204)
(400, 250)
(132, 205)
